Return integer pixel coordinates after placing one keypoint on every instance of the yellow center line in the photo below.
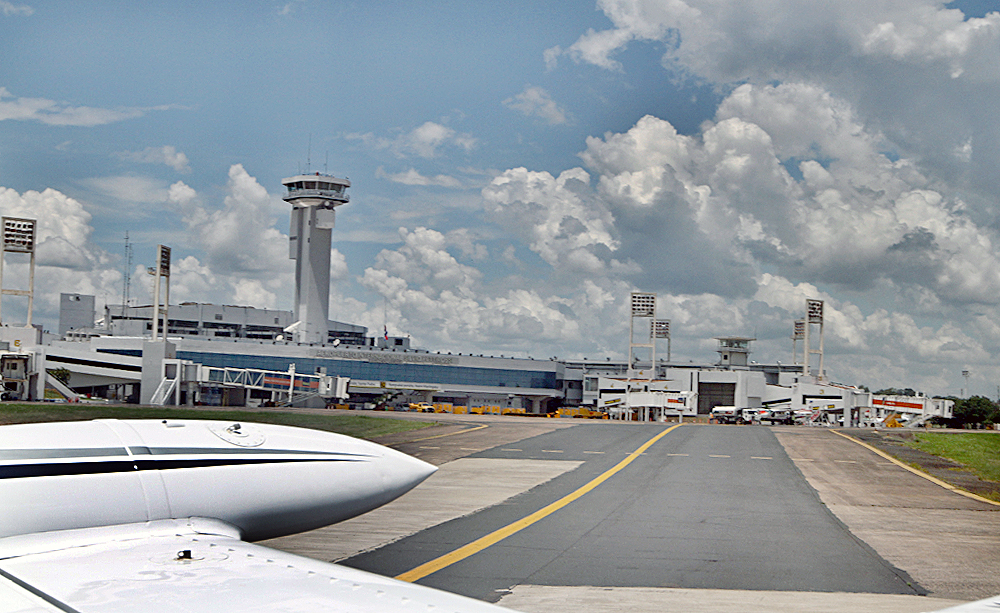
(917, 472)
(496, 536)
(427, 438)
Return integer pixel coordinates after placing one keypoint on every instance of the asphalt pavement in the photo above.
(703, 507)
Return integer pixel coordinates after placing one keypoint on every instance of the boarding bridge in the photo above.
(641, 401)
(287, 388)
(911, 411)
(232, 386)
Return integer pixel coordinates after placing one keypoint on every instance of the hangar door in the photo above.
(715, 394)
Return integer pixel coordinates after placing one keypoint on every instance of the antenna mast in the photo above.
(127, 276)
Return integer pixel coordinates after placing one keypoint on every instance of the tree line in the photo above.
(977, 411)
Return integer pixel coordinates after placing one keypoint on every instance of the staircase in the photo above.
(163, 391)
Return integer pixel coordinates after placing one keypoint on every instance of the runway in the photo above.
(705, 514)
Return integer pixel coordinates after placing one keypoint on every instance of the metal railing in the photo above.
(163, 391)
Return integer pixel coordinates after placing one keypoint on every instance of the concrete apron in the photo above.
(546, 599)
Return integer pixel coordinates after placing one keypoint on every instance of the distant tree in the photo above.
(895, 391)
(974, 411)
(61, 374)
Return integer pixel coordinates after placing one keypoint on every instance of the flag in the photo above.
(385, 332)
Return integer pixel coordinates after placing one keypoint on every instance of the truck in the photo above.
(776, 416)
(727, 415)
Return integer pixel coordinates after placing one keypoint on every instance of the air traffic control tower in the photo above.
(314, 199)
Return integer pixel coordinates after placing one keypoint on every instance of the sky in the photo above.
(519, 168)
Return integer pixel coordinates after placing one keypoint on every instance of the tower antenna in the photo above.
(127, 276)
(309, 154)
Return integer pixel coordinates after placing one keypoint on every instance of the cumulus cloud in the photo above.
(851, 216)
(727, 42)
(240, 237)
(413, 177)
(289, 7)
(62, 228)
(58, 114)
(787, 193)
(536, 102)
(428, 293)
(66, 258)
(917, 72)
(167, 154)
(130, 188)
(557, 216)
(425, 141)
(232, 248)
(16, 9)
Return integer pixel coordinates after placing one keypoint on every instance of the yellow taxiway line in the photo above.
(427, 438)
(496, 536)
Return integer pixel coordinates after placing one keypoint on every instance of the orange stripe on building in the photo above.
(898, 403)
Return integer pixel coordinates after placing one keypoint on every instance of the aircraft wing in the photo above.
(988, 605)
(182, 566)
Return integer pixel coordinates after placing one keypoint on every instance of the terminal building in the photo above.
(195, 353)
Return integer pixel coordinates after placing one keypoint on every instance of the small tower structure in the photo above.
(644, 347)
(314, 198)
(734, 350)
(19, 237)
(814, 318)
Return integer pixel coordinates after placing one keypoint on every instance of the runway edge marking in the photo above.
(429, 568)
(917, 472)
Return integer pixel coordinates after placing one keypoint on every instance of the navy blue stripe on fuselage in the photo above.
(122, 452)
(53, 469)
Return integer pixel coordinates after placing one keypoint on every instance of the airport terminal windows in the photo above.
(356, 369)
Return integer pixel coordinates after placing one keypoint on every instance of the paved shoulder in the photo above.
(950, 544)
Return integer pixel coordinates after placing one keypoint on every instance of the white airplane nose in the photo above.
(401, 472)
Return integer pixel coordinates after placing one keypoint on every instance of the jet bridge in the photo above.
(287, 388)
(184, 382)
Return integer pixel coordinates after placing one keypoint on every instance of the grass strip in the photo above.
(978, 452)
(359, 426)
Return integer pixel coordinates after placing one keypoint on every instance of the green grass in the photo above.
(359, 426)
(979, 452)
